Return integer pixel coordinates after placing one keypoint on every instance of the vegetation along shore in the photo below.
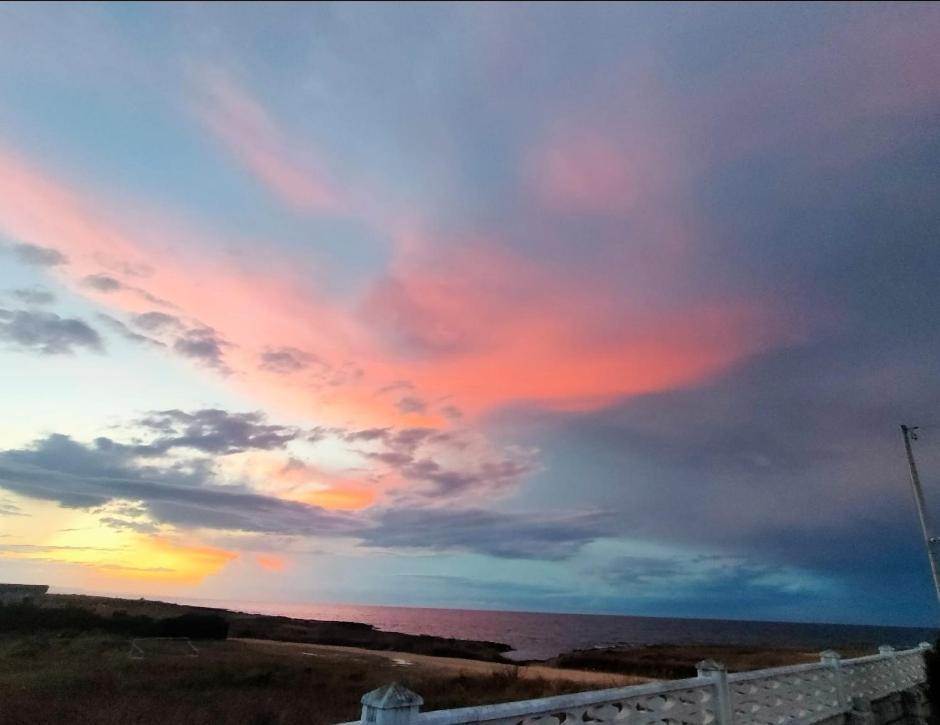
(71, 659)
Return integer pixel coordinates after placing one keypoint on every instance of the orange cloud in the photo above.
(160, 559)
(301, 481)
(341, 497)
(271, 562)
(137, 557)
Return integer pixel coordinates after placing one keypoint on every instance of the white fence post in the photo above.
(887, 649)
(390, 705)
(718, 674)
(834, 660)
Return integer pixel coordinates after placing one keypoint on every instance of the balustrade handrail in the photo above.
(779, 671)
(875, 658)
(541, 705)
(711, 687)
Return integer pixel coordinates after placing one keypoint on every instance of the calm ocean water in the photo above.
(538, 636)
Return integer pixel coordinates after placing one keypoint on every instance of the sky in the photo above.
(559, 307)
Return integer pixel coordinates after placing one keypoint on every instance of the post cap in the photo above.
(392, 697)
(710, 666)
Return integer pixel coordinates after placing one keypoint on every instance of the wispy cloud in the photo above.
(39, 256)
(249, 133)
(33, 296)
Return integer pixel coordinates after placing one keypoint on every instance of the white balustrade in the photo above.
(796, 695)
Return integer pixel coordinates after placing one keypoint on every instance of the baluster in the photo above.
(889, 651)
(717, 673)
(834, 660)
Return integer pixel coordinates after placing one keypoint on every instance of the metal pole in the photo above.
(929, 539)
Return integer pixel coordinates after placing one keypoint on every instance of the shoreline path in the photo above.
(455, 665)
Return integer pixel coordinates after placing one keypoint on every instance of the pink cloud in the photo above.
(467, 319)
(492, 328)
(247, 306)
(585, 174)
(248, 132)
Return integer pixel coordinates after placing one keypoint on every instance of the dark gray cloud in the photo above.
(793, 458)
(751, 449)
(463, 584)
(39, 256)
(493, 476)
(107, 283)
(41, 548)
(58, 468)
(194, 341)
(408, 439)
(119, 524)
(411, 404)
(197, 342)
(158, 322)
(126, 509)
(395, 386)
(309, 370)
(451, 412)
(416, 453)
(390, 458)
(402, 440)
(321, 432)
(204, 345)
(124, 267)
(102, 283)
(127, 333)
(660, 574)
(713, 586)
(505, 535)
(286, 360)
(367, 434)
(697, 587)
(33, 296)
(213, 431)
(47, 333)
(10, 509)
(108, 473)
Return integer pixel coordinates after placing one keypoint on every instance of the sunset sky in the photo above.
(592, 308)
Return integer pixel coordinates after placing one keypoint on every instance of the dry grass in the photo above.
(678, 661)
(87, 680)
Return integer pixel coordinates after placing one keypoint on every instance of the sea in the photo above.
(536, 636)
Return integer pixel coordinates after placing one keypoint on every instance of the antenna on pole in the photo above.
(930, 541)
